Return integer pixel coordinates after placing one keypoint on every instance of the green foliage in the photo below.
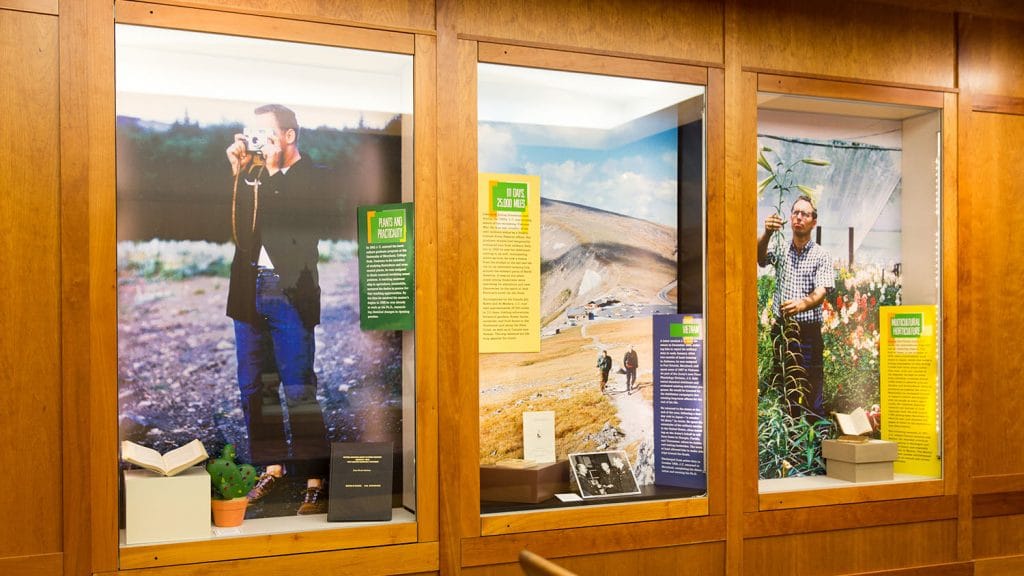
(850, 331)
(184, 259)
(787, 445)
(174, 260)
(788, 442)
(230, 480)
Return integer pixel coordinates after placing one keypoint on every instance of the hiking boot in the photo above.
(263, 486)
(315, 501)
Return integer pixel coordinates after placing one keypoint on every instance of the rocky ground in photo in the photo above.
(176, 365)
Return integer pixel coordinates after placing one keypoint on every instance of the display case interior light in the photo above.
(156, 63)
(519, 95)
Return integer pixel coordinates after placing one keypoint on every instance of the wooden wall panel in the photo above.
(152, 14)
(40, 565)
(88, 279)
(425, 140)
(857, 40)
(998, 504)
(592, 540)
(688, 30)
(458, 424)
(40, 6)
(395, 14)
(958, 569)
(696, 560)
(1004, 566)
(30, 397)
(995, 180)
(999, 536)
(374, 561)
(852, 551)
(992, 53)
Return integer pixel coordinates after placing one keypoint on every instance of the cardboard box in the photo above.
(871, 461)
(870, 451)
(862, 472)
(166, 508)
(527, 484)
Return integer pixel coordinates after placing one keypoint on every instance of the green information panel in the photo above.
(386, 267)
(509, 197)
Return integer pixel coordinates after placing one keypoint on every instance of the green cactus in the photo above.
(230, 480)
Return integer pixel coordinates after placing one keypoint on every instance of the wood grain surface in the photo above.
(30, 409)
(854, 40)
(58, 205)
(412, 15)
(852, 551)
(88, 280)
(682, 30)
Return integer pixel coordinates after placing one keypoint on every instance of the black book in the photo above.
(360, 484)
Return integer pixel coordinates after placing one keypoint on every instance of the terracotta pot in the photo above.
(228, 513)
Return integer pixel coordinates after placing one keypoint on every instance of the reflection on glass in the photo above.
(620, 164)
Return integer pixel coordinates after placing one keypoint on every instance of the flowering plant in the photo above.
(851, 335)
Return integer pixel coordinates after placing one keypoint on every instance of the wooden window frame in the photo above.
(509, 524)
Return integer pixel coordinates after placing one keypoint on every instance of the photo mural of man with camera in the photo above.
(274, 300)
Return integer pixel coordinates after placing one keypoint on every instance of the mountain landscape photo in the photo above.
(603, 275)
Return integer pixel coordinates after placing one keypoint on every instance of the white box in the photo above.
(166, 508)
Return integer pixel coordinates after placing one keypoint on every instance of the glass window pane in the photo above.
(618, 255)
(848, 249)
(241, 163)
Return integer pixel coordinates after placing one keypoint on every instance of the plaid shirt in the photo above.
(802, 272)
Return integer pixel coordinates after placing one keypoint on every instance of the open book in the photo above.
(855, 423)
(169, 464)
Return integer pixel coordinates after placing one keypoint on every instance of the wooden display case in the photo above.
(484, 536)
(406, 544)
(858, 100)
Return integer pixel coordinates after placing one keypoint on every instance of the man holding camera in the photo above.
(274, 300)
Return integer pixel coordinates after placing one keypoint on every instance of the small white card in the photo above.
(539, 436)
(569, 497)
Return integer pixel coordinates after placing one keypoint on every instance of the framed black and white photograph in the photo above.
(603, 474)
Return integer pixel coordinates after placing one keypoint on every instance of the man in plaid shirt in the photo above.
(807, 277)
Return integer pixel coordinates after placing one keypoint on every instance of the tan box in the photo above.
(870, 451)
(166, 508)
(527, 484)
(869, 461)
(859, 472)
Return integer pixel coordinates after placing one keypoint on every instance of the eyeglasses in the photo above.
(803, 214)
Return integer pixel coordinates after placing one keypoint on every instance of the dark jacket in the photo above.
(288, 210)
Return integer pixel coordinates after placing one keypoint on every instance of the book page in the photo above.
(855, 423)
(181, 458)
(141, 456)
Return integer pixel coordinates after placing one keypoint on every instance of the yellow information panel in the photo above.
(909, 387)
(509, 262)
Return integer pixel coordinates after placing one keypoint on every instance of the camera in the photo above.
(255, 139)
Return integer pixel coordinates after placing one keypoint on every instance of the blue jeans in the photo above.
(282, 345)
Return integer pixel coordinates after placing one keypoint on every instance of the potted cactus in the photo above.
(231, 483)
